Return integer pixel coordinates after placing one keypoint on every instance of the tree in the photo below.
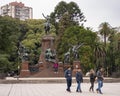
(73, 11)
(113, 51)
(64, 23)
(9, 36)
(99, 54)
(75, 35)
(9, 32)
(104, 30)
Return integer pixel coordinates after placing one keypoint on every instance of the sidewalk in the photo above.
(109, 89)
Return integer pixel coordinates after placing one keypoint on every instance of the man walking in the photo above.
(79, 80)
(100, 80)
(68, 76)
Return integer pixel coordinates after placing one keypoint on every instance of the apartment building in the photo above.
(17, 10)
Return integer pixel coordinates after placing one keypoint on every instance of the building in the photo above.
(17, 10)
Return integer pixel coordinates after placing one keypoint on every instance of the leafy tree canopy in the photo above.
(72, 9)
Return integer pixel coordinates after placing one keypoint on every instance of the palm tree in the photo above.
(99, 54)
(114, 50)
(105, 30)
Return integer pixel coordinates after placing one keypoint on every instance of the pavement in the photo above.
(56, 89)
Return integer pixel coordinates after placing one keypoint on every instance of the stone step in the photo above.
(50, 80)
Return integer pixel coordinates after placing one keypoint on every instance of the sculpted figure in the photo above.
(75, 50)
(67, 57)
(47, 24)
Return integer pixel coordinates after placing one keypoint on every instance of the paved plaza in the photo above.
(56, 89)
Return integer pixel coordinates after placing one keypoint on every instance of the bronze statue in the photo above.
(47, 24)
(22, 52)
(67, 57)
(75, 50)
(50, 55)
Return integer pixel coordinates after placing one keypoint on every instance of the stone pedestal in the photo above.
(41, 67)
(47, 42)
(60, 67)
(76, 65)
(66, 66)
(24, 69)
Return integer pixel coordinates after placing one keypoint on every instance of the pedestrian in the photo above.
(100, 80)
(68, 76)
(92, 80)
(79, 80)
(55, 67)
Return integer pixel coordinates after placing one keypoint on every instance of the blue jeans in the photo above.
(78, 86)
(69, 82)
(100, 84)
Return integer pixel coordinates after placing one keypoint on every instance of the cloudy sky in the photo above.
(95, 11)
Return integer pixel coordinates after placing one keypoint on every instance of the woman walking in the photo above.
(92, 80)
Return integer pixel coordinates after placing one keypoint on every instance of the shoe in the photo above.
(80, 91)
(89, 90)
(101, 93)
(68, 90)
(97, 90)
(77, 91)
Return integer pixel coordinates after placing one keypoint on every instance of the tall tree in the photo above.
(99, 54)
(75, 35)
(9, 35)
(114, 50)
(73, 11)
(104, 30)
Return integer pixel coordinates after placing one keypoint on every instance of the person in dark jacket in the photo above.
(100, 80)
(92, 80)
(79, 80)
(68, 76)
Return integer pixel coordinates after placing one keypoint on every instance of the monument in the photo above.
(22, 51)
(48, 53)
(47, 57)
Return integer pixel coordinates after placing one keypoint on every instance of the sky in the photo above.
(95, 11)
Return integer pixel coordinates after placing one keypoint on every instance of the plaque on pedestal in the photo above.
(24, 69)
